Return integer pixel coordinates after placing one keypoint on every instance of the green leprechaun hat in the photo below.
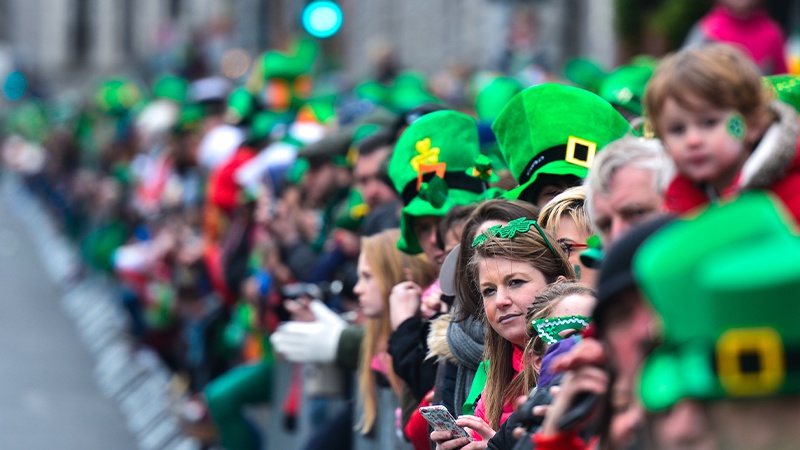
(494, 96)
(171, 87)
(554, 129)
(785, 88)
(117, 96)
(726, 290)
(350, 214)
(624, 87)
(428, 169)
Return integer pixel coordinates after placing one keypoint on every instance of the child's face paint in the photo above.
(706, 143)
(736, 126)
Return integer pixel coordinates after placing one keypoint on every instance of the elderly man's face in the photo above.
(632, 199)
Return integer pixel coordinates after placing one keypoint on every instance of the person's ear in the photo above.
(536, 362)
(757, 125)
(561, 279)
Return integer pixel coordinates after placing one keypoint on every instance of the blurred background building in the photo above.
(75, 41)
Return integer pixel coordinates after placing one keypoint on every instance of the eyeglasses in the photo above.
(569, 246)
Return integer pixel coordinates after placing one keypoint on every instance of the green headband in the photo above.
(519, 225)
(549, 328)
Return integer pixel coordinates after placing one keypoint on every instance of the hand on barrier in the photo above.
(310, 342)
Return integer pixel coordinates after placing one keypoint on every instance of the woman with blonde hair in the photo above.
(566, 218)
(380, 267)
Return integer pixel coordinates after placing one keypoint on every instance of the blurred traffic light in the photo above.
(322, 18)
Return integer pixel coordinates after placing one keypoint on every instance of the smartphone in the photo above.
(440, 420)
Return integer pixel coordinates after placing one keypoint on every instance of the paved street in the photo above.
(48, 397)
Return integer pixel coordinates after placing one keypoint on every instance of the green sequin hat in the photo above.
(726, 289)
(554, 129)
(428, 169)
(786, 88)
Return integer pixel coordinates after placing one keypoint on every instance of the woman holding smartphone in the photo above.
(511, 263)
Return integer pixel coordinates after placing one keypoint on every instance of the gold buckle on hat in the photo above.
(574, 143)
(765, 343)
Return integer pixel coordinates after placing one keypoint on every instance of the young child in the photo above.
(724, 131)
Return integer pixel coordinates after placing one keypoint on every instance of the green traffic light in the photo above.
(322, 18)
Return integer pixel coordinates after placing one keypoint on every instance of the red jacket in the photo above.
(774, 165)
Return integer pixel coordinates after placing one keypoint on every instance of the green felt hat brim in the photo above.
(669, 376)
(554, 168)
(336, 143)
(420, 208)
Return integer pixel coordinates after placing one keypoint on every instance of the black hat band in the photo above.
(454, 180)
(576, 151)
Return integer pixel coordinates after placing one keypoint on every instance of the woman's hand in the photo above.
(404, 302)
(444, 439)
(432, 303)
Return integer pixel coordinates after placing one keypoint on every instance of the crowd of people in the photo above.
(558, 266)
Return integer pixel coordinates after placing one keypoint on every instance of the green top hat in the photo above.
(428, 169)
(350, 214)
(726, 288)
(786, 88)
(494, 97)
(585, 73)
(554, 129)
(625, 87)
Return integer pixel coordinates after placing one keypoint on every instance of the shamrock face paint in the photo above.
(735, 126)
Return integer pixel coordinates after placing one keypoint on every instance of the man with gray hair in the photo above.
(626, 185)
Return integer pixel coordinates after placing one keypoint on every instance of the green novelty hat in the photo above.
(554, 129)
(726, 289)
(428, 169)
(263, 123)
(171, 87)
(241, 106)
(585, 73)
(117, 96)
(495, 96)
(625, 87)
(333, 147)
(190, 118)
(785, 88)
(406, 93)
(350, 214)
